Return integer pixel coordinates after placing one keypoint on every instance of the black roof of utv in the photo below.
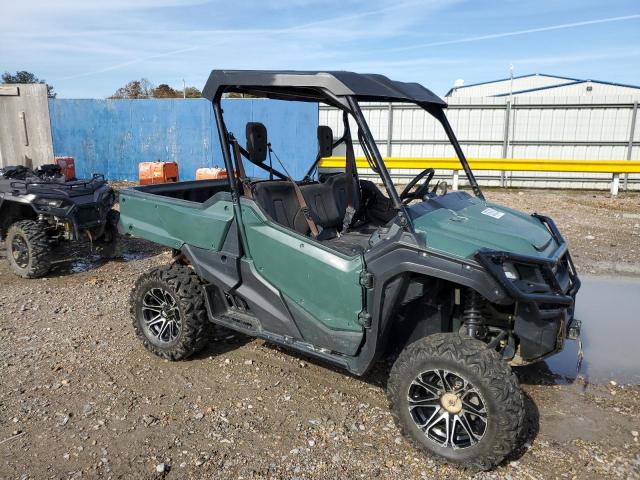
(302, 85)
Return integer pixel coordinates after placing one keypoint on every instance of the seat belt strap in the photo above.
(350, 168)
(246, 184)
(302, 203)
(305, 209)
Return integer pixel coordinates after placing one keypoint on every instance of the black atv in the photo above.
(39, 210)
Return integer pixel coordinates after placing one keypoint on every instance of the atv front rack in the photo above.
(554, 280)
(48, 187)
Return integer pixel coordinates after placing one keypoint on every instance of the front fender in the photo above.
(394, 260)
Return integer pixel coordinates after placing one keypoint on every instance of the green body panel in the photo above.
(463, 232)
(173, 223)
(323, 283)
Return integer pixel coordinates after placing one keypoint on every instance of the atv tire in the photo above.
(168, 312)
(456, 400)
(28, 249)
(110, 234)
(108, 242)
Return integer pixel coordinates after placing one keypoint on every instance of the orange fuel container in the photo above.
(210, 173)
(68, 167)
(157, 172)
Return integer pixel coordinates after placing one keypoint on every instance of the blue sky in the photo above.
(89, 48)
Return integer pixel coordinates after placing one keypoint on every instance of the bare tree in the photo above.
(142, 88)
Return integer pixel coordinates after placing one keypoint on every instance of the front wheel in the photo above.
(456, 400)
(28, 249)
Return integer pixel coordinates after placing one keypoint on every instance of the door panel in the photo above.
(324, 284)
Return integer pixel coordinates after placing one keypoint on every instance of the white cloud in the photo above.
(562, 26)
(578, 57)
(97, 46)
(127, 63)
(154, 41)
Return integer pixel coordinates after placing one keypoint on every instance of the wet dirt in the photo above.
(603, 232)
(609, 309)
(83, 257)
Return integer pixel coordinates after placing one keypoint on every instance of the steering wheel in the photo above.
(407, 195)
(441, 189)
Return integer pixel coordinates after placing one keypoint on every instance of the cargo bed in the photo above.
(173, 214)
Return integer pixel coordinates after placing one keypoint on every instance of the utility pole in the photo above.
(511, 81)
(505, 147)
(184, 89)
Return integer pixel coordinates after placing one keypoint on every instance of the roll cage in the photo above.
(342, 90)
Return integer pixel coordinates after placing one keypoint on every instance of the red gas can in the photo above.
(210, 173)
(157, 172)
(68, 167)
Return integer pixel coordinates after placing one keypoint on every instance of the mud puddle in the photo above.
(609, 309)
(95, 260)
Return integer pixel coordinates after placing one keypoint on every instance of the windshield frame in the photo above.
(351, 105)
(436, 112)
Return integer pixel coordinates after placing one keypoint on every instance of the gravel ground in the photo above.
(603, 232)
(81, 397)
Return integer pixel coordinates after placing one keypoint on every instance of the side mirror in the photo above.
(256, 142)
(325, 141)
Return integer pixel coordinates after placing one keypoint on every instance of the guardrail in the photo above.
(614, 167)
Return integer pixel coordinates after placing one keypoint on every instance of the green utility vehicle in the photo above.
(332, 267)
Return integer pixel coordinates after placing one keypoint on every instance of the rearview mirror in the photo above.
(256, 142)
(325, 141)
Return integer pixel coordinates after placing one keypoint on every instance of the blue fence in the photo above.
(113, 136)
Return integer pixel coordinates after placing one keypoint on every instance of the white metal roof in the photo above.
(505, 85)
(543, 85)
(580, 88)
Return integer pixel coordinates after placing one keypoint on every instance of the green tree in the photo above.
(143, 88)
(238, 95)
(23, 76)
(192, 92)
(165, 91)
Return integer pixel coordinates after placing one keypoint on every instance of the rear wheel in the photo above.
(456, 400)
(168, 312)
(28, 249)
(108, 242)
(110, 234)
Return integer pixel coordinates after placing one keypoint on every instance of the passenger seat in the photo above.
(327, 202)
(278, 199)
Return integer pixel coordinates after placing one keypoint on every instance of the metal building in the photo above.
(572, 127)
(541, 84)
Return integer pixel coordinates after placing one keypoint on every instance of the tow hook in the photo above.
(573, 331)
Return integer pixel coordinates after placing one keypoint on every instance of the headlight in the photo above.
(510, 271)
(49, 202)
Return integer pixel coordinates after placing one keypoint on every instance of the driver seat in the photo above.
(328, 200)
